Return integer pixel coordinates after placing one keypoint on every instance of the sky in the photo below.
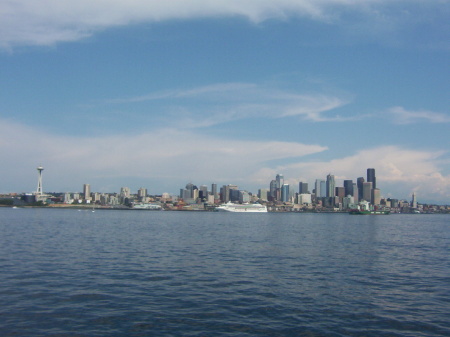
(145, 93)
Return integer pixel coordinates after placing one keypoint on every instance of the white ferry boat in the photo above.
(244, 208)
(145, 206)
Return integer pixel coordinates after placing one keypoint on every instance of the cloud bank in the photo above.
(46, 22)
(169, 159)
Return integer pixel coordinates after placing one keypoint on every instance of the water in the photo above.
(139, 273)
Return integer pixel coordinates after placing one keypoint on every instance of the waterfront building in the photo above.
(125, 192)
(234, 195)
(304, 199)
(367, 192)
(67, 199)
(347, 202)
(244, 197)
(330, 186)
(263, 194)
(371, 177)
(225, 193)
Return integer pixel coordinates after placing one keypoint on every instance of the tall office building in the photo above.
(355, 193)
(285, 193)
(214, 190)
(125, 192)
(367, 192)
(273, 190)
(330, 186)
(303, 188)
(263, 193)
(359, 182)
(414, 200)
(87, 191)
(348, 186)
(376, 196)
(319, 190)
(323, 188)
(142, 194)
(280, 182)
(371, 177)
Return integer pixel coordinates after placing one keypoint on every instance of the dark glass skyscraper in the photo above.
(303, 188)
(348, 185)
(359, 182)
(371, 177)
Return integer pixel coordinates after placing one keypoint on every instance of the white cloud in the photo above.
(45, 22)
(164, 154)
(403, 116)
(171, 158)
(224, 102)
(399, 171)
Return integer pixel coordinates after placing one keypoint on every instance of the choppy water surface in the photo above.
(139, 273)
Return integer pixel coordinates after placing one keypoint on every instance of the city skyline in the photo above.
(277, 190)
(158, 94)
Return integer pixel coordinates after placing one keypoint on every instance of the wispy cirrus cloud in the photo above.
(224, 102)
(403, 116)
(47, 22)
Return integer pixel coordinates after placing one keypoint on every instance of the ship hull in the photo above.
(242, 208)
(369, 212)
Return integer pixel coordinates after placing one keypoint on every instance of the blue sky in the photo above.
(149, 94)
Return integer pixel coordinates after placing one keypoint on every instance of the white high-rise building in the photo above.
(414, 201)
(87, 191)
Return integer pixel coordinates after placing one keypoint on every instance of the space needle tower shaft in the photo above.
(39, 186)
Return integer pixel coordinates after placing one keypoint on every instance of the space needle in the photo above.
(39, 186)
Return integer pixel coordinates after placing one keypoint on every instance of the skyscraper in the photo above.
(367, 192)
(285, 193)
(87, 191)
(319, 190)
(280, 182)
(376, 196)
(214, 190)
(359, 182)
(273, 190)
(330, 185)
(371, 177)
(303, 188)
(414, 200)
(348, 186)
